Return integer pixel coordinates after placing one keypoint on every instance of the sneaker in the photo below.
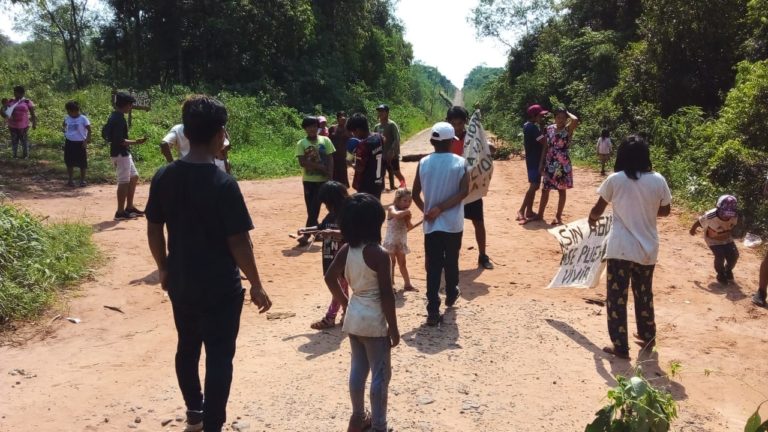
(194, 421)
(135, 211)
(451, 300)
(124, 215)
(722, 278)
(434, 320)
(729, 275)
(759, 300)
(485, 262)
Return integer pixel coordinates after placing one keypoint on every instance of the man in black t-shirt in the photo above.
(116, 132)
(369, 163)
(208, 245)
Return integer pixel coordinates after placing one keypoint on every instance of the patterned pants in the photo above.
(620, 274)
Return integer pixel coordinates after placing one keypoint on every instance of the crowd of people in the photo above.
(198, 230)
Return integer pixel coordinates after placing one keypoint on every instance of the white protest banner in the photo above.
(479, 160)
(583, 252)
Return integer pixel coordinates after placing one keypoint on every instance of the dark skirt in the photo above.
(75, 154)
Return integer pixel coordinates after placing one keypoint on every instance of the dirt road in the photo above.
(512, 356)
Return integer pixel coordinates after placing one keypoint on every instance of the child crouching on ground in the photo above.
(370, 321)
(718, 224)
(332, 194)
(396, 238)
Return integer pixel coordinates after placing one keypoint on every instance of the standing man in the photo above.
(314, 155)
(458, 117)
(369, 168)
(339, 136)
(535, 144)
(20, 113)
(391, 133)
(208, 245)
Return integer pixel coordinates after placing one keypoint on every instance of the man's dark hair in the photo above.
(19, 89)
(341, 114)
(333, 194)
(310, 121)
(358, 121)
(123, 99)
(203, 117)
(361, 219)
(457, 112)
(439, 143)
(72, 106)
(633, 157)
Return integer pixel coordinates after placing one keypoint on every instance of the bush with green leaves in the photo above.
(755, 423)
(37, 260)
(635, 406)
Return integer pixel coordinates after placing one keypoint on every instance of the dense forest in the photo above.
(270, 61)
(693, 77)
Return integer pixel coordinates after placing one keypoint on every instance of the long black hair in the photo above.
(333, 194)
(633, 157)
(361, 219)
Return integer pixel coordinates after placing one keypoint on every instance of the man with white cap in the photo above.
(442, 178)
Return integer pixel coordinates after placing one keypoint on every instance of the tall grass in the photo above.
(37, 259)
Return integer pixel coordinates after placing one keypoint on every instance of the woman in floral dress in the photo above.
(558, 171)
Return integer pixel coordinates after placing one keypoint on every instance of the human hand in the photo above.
(163, 275)
(260, 298)
(394, 337)
(406, 214)
(693, 231)
(433, 213)
(592, 222)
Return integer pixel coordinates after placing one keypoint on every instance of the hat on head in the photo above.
(443, 131)
(382, 107)
(322, 119)
(726, 206)
(535, 110)
(122, 98)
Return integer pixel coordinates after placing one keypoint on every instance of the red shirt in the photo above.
(457, 146)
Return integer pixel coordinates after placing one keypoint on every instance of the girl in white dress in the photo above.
(396, 238)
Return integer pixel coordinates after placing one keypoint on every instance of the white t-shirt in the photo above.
(717, 231)
(440, 175)
(176, 139)
(604, 145)
(75, 128)
(636, 205)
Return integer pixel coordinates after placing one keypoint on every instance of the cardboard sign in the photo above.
(583, 249)
(477, 152)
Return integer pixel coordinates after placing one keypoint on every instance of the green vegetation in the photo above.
(476, 80)
(36, 260)
(698, 95)
(271, 63)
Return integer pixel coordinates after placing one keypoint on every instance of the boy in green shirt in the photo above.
(391, 133)
(314, 155)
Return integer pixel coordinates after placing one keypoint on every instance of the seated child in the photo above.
(717, 224)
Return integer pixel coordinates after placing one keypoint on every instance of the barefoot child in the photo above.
(396, 238)
(604, 149)
(718, 224)
(332, 194)
(370, 320)
(77, 135)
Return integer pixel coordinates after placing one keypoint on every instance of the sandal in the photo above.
(303, 240)
(617, 353)
(556, 222)
(758, 300)
(520, 217)
(410, 288)
(360, 424)
(323, 324)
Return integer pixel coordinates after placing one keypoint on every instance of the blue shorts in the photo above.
(534, 176)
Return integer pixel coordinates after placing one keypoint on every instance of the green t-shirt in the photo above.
(392, 135)
(319, 151)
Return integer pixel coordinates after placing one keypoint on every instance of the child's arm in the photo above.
(408, 224)
(398, 214)
(156, 240)
(416, 192)
(695, 227)
(241, 248)
(134, 142)
(378, 260)
(307, 164)
(335, 271)
(451, 202)
(88, 136)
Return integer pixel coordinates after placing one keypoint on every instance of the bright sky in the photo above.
(442, 37)
(437, 29)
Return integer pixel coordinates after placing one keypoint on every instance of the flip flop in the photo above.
(520, 217)
(410, 288)
(615, 352)
(556, 222)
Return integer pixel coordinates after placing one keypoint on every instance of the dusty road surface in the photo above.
(512, 356)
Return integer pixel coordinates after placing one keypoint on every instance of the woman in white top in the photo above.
(638, 196)
(370, 318)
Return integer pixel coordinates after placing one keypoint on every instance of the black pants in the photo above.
(726, 257)
(311, 201)
(217, 329)
(442, 253)
(620, 274)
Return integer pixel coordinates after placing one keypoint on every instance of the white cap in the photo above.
(443, 131)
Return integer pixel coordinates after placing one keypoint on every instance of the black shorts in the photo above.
(474, 210)
(75, 154)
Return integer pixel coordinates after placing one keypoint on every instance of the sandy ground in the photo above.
(512, 356)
